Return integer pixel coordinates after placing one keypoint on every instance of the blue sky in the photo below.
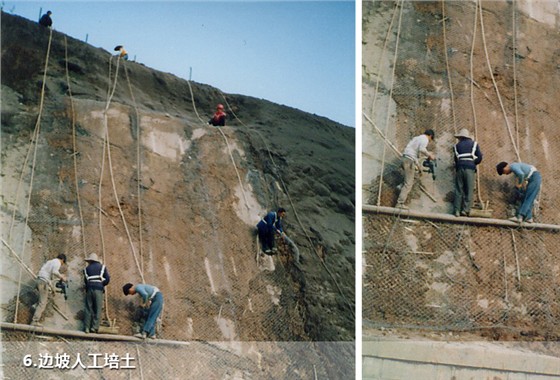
(301, 53)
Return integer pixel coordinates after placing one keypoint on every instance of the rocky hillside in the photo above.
(107, 156)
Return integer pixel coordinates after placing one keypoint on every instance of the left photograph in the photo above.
(178, 190)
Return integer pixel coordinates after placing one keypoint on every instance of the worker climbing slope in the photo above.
(268, 227)
(219, 118)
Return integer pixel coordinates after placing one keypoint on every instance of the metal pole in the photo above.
(457, 219)
(40, 13)
(190, 73)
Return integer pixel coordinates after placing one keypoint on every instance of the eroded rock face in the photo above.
(142, 181)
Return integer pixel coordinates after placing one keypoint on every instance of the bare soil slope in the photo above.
(153, 190)
(500, 82)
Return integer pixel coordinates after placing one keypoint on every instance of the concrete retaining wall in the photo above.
(396, 360)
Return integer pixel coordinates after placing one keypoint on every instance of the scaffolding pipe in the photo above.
(83, 335)
(457, 219)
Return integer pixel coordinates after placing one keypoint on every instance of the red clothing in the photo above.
(219, 119)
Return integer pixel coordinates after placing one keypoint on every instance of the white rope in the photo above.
(473, 107)
(74, 148)
(34, 144)
(228, 148)
(381, 56)
(285, 188)
(108, 150)
(388, 116)
(138, 170)
(447, 66)
(494, 80)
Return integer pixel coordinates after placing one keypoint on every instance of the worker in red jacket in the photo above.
(219, 118)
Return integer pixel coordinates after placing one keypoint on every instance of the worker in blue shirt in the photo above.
(152, 299)
(270, 225)
(528, 178)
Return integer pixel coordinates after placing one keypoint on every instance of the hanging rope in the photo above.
(444, 26)
(74, 148)
(382, 55)
(138, 170)
(285, 188)
(494, 80)
(228, 148)
(390, 97)
(107, 144)
(514, 59)
(34, 144)
(473, 107)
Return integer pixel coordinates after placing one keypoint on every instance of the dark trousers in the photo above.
(464, 190)
(266, 236)
(94, 306)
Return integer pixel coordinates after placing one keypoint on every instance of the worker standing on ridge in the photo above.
(467, 157)
(46, 20)
(123, 54)
(527, 177)
(49, 270)
(96, 277)
(152, 299)
(219, 118)
(409, 161)
(268, 226)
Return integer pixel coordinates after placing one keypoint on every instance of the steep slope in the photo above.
(154, 190)
(489, 67)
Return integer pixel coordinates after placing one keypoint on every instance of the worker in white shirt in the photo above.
(49, 271)
(417, 147)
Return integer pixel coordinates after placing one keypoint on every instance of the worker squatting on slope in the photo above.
(415, 148)
(96, 277)
(152, 300)
(270, 225)
(49, 271)
(122, 52)
(467, 156)
(528, 181)
(46, 20)
(219, 118)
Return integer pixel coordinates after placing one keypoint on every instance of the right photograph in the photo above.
(460, 215)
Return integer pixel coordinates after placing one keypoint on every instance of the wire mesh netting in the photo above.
(71, 359)
(453, 277)
(449, 65)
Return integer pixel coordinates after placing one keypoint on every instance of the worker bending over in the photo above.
(152, 299)
(527, 178)
(270, 225)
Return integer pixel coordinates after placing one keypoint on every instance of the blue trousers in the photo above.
(533, 188)
(153, 313)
